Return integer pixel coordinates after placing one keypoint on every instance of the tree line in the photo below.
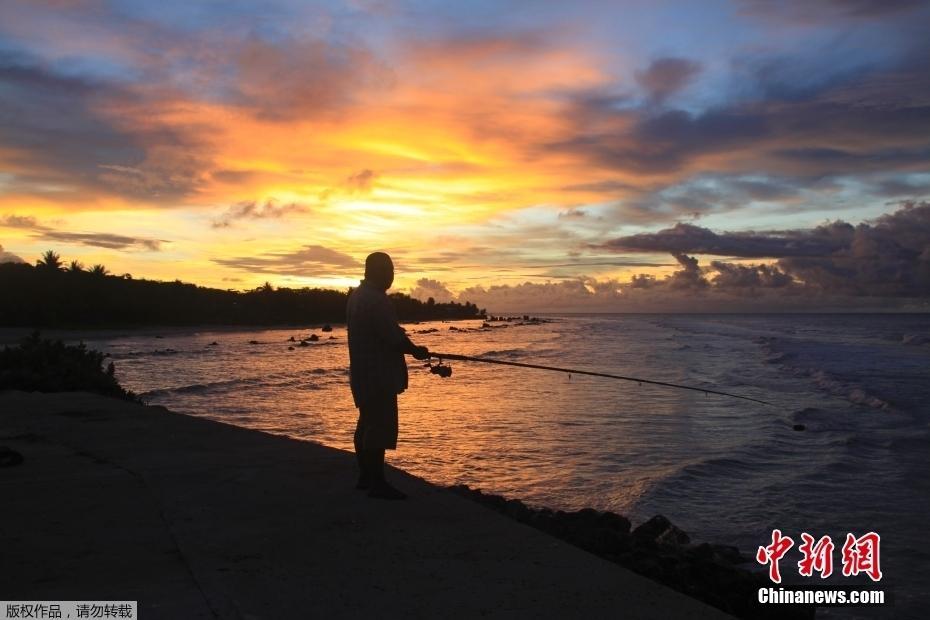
(54, 294)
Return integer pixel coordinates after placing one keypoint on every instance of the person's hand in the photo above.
(421, 353)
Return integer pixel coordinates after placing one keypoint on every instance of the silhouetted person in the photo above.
(378, 372)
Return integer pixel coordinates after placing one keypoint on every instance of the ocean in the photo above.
(722, 469)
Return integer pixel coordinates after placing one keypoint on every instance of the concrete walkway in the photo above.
(196, 519)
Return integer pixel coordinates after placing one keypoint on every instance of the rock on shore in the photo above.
(656, 549)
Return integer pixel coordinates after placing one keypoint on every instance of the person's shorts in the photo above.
(377, 424)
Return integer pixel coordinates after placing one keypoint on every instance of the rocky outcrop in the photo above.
(656, 549)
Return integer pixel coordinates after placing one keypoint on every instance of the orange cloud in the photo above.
(502, 155)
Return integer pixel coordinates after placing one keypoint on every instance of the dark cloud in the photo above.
(56, 135)
(574, 212)
(687, 290)
(104, 240)
(889, 256)
(897, 188)
(9, 257)
(705, 194)
(601, 187)
(275, 63)
(19, 221)
(50, 119)
(721, 278)
(833, 161)
(740, 287)
(253, 210)
(668, 141)
(721, 287)
(689, 276)
(872, 119)
(735, 276)
(693, 239)
(101, 240)
(789, 126)
(310, 260)
(233, 176)
(666, 76)
(360, 182)
(699, 196)
(807, 11)
(623, 262)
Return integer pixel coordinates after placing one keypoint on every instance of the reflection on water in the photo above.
(723, 469)
(547, 437)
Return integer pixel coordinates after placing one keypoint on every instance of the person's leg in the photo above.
(364, 475)
(380, 487)
(387, 434)
(374, 462)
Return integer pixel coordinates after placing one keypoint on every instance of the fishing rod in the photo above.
(446, 371)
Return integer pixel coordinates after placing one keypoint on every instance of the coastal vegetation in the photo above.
(41, 365)
(53, 293)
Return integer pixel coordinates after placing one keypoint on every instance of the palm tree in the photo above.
(50, 260)
(75, 266)
(99, 270)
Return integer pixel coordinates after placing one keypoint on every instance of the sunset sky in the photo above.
(638, 155)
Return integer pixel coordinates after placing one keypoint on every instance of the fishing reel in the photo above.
(440, 369)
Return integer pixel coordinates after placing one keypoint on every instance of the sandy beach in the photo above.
(198, 519)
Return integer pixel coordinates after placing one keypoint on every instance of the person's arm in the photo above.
(391, 331)
(418, 352)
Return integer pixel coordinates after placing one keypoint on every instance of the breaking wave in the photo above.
(802, 361)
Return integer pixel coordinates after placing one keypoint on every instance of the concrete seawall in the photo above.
(197, 519)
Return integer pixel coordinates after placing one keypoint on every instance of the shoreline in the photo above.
(10, 335)
(195, 518)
